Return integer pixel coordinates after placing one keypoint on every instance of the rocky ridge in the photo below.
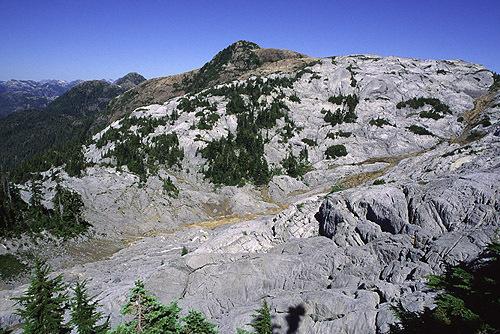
(239, 59)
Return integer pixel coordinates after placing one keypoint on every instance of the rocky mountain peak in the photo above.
(237, 57)
(130, 80)
(241, 59)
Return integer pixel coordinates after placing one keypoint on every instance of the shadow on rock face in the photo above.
(294, 317)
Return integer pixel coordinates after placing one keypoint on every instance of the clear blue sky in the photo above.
(88, 39)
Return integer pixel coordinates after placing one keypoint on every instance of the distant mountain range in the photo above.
(53, 121)
(16, 95)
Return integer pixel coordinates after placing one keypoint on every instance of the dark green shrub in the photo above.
(485, 121)
(475, 135)
(380, 122)
(189, 104)
(207, 122)
(419, 130)
(468, 300)
(339, 133)
(10, 267)
(287, 131)
(353, 80)
(196, 323)
(184, 251)
(438, 108)
(496, 82)
(296, 166)
(142, 158)
(169, 188)
(351, 101)
(65, 220)
(236, 160)
(85, 318)
(335, 151)
(236, 105)
(266, 118)
(339, 117)
(431, 114)
(309, 142)
(346, 114)
(44, 303)
(261, 322)
(147, 313)
(378, 182)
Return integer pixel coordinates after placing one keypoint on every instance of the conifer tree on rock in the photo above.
(262, 320)
(468, 300)
(196, 323)
(43, 305)
(84, 314)
(149, 315)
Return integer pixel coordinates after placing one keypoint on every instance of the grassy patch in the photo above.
(336, 188)
(474, 135)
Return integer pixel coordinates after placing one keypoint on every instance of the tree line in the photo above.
(46, 304)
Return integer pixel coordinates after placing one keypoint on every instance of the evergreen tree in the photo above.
(196, 323)
(149, 315)
(123, 329)
(262, 320)
(43, 305)
(468, 300)
(84, 314)
(296, 167)
(36, 194)
(242, 331)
